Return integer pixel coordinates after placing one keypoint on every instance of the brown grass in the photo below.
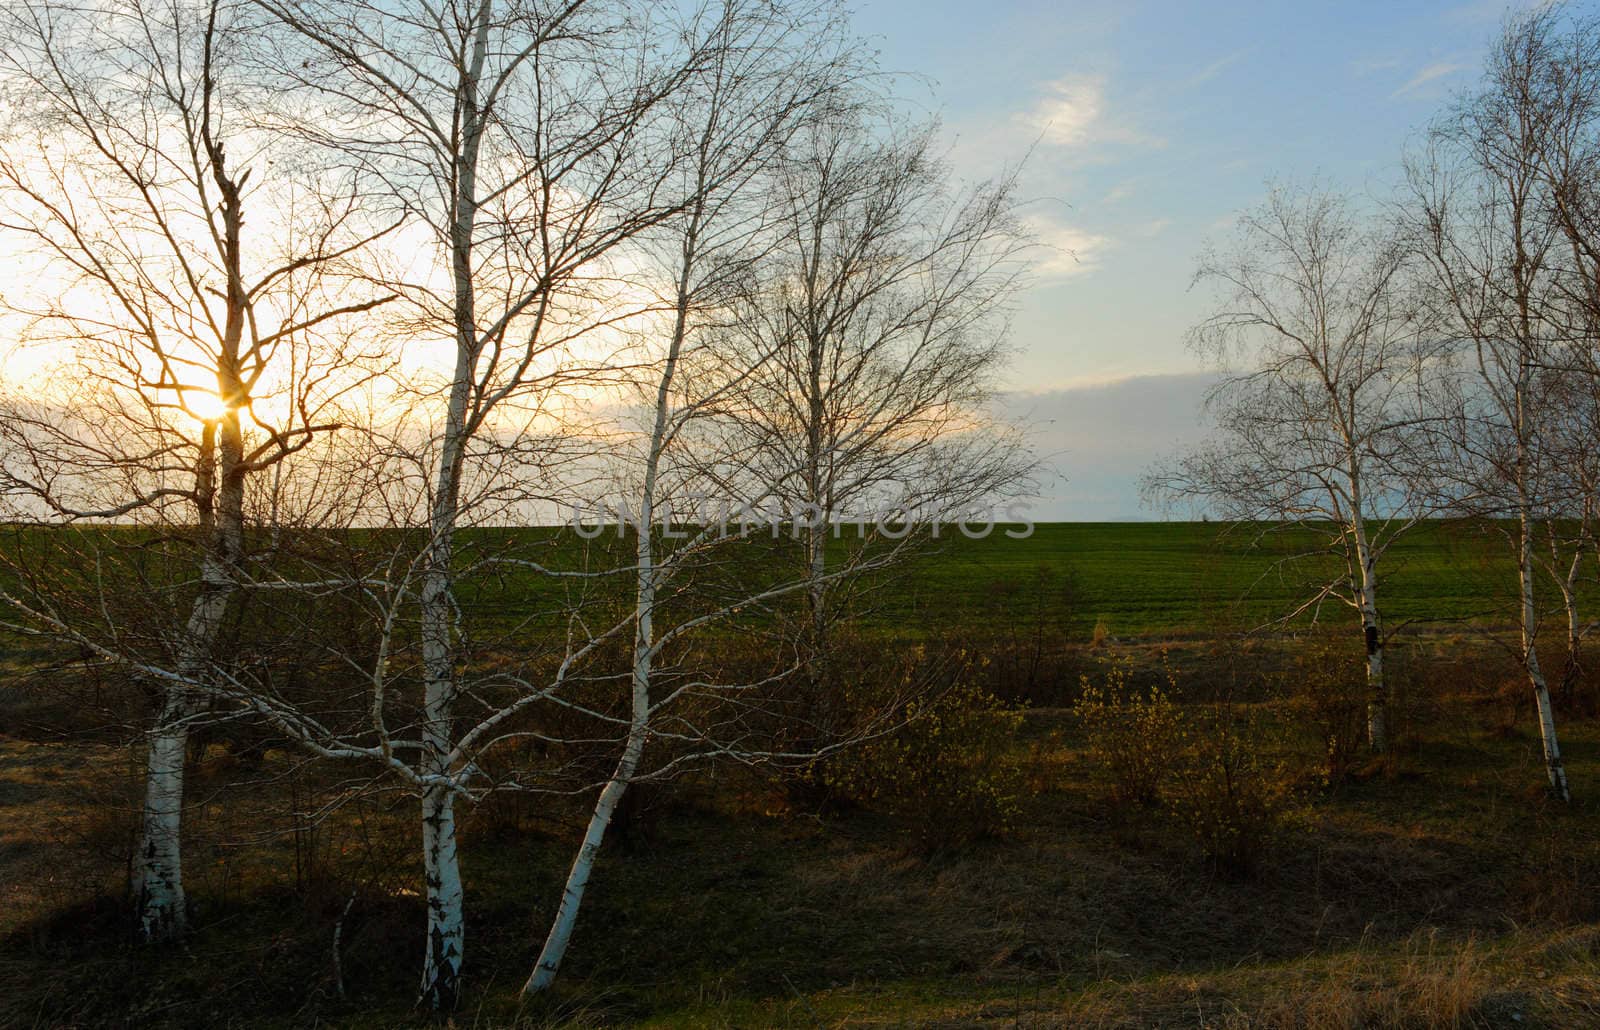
(1442, 891)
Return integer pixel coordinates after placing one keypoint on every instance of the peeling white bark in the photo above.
(158, 867)
(441, 973)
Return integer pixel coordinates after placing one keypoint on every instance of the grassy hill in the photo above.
(1176, 578)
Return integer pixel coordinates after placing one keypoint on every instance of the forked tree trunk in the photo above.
(219, 493)
(158, 869)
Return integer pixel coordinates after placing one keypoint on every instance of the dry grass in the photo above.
(1445, 891)
(66, 826)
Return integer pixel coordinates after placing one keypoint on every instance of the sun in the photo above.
(204, 405)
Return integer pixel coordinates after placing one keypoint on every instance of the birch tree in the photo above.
(836, 323)
(881, 328)
(506, 130)
(1318, 428)
(1561, 46)
(204, 351)
(537, 146)
(770, 79)
(1481, 218)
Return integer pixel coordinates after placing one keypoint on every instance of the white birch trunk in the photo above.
(1377, 688)
(1569, 601)
(645, 586)
(822, 507)
(819, 705)
(445, 941)
(560, 935)
(1574, 642)
(441, 973)
(1530, 659)
(555, 944)
(1367, 603)
(158, 868)
(219, 488)
(1377, 694)
(818, 673)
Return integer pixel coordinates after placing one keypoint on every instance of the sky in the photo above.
(1147, 128)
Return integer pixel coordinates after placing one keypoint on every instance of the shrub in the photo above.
(950, 767)
(1026, 633)
(1134, 733)
(1227, 786)
(1328, 692)
(1213, 772)
(1101, 635)
(863, 688)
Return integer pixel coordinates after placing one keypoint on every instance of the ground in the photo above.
(1441, 888)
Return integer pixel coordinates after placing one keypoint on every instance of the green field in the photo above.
(1182, 578)
(1140, 580)
(1161, 579)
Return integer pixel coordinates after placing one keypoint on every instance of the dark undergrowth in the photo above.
(1439, 887)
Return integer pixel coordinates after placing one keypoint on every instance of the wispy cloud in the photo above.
(1429, 73)
(1066, 252)
(1069, 110)
(1118, 193)
(1364, 66)
(1216, 68)
(1073, 112)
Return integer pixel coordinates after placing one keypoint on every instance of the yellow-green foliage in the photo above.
(1230, 786)
(951, 768)
(1101, 635)
(1212, 772)
(1328, 692)
(1132, 733)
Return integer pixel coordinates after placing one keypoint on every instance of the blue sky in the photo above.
(1153, 125)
